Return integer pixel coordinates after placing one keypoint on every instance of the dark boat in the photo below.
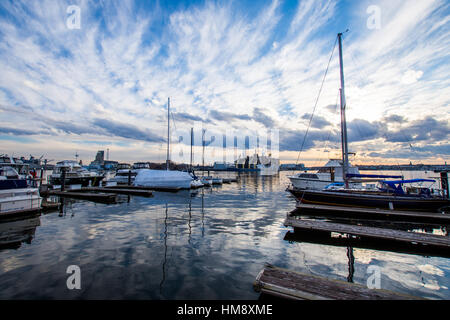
(391, 197)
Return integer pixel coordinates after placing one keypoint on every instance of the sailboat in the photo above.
(391, 195)
(164, 179)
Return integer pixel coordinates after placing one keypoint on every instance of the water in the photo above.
(208, 245)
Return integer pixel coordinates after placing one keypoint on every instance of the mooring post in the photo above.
(63, 178)
(444, 184)
(129, 177)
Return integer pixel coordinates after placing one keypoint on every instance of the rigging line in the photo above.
(329, 131)
(317, 100)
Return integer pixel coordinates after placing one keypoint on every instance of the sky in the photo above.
(81, 76)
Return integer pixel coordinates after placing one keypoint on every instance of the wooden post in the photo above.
(129, 177)
(63, 178)
(444, 184)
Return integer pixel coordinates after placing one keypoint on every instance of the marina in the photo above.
(170, 246)
(243, 151)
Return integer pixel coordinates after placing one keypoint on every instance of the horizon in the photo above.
(84, 76)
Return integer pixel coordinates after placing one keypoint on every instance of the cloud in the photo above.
(228, 116)
(318, 122)
(260, 116)
(126, 131)
(226, 63)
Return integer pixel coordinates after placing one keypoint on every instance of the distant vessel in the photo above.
(75, 174)
(256, 163)
(331, 172)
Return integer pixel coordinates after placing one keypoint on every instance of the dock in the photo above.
(95, 197)
(133, 192)
(293, 285)
(370, 232)
(361, 212)
(131, 187)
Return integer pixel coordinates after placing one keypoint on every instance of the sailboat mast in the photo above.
(168, 133)
(343, 120)
(192, 143)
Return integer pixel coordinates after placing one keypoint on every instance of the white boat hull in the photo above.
(312, 184)
(163, 179)
(13, 200)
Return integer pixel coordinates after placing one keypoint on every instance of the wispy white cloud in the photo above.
(109, 81)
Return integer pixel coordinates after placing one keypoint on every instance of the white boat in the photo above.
(196, 183)
(75, 174)
(18, 200)
(123, 171)
(164, 179)
(207, 181)
(331, 172)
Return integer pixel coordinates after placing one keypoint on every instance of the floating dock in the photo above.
(95, 197)
(293, 285)
(370, 232)
(130, 187)
(133, 192)
(356, 211)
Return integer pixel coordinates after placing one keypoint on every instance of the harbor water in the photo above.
(207, 244)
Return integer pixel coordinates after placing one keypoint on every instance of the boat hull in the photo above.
(84, 181)
(364, 200)
(19, 200)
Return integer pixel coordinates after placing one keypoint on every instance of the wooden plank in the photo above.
(397, 213)
(135, 192)
(380, 233)
(299, 286)
(99, 197)
(125, 186)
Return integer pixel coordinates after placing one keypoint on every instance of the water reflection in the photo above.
(209, 244)
(15, 232)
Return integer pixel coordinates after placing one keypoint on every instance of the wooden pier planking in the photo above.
(134, 192)
(96, 197)
(371, 232)
(429, 216)
(298, 286)
(125, 186)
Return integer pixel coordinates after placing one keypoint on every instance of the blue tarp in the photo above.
(355, 175)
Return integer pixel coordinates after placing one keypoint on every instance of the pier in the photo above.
(95, 197)
(370, 232)
(370, 212)
(294, 285)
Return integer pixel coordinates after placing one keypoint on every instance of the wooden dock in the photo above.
(293, 285)
(133, 192)
(130, 187)
(356, 211)
(95, 197)
(370, 232)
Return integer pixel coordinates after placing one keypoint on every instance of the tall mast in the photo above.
(168, 133)
(192, 142)
(343, 120)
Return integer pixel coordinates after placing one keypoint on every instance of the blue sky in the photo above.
(244, 67)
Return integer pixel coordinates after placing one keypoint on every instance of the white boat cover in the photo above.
(163, 179)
